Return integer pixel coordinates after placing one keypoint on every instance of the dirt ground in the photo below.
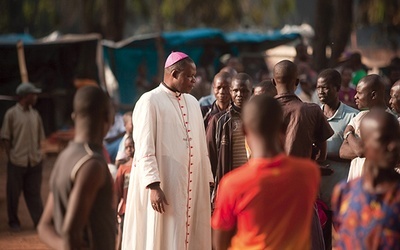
(27, 238)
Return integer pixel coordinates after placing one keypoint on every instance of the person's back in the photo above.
(80, 212)
(101, 224)
(270, 213)
(305, 123)
(258, 205)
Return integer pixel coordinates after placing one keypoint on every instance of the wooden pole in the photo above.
(21, 61)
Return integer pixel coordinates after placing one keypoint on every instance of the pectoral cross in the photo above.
(187, 140)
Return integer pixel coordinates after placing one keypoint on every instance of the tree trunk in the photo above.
(343, 16)
(114, 21)
(322, 28)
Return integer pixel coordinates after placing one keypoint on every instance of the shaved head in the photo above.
(285, 72)
(265, 87)
(92, 102)
(374, 82)
(229, 70)
(222, 76)
(263, 116)
(380, 133)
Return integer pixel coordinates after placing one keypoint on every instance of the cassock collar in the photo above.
(176, 92)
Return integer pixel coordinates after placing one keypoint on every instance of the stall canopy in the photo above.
(135, 61)
(54, 66)
(58, 65)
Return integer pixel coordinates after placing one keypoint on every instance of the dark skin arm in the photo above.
(7, 147)
(352, 147)
(88, 181)
(46, 230)
(157, 197)
(222, 239)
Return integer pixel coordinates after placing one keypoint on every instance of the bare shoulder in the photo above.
(92, 171)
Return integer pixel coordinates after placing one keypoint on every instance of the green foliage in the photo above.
(385, 12)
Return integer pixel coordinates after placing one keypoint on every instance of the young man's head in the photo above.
(370, 92)
(285, 76)
(221, 85)
(328, 86)
(231, 71)
(180, 72)
(93, 108)
(263, 119)
(380, 135)
(27, 93)
(240, 90)
(127, 118)
(265, 87)
(129, 147)
(395, 97)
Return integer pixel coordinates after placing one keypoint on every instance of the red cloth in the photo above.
(122, 184)
(269, 202)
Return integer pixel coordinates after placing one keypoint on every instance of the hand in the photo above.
(326, 170)
(157, 199)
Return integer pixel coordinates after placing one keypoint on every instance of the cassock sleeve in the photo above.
(144, 121)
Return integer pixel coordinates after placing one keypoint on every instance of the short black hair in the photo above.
(332, 77)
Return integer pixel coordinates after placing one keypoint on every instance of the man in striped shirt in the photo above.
(225, 138)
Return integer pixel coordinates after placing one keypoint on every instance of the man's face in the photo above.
(240, 92)
(186, 79)
(395, 99)
(31, 98)
(363, 95)
(221, 90)
(327, 93)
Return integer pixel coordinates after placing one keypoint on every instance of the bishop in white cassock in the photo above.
(168, 204)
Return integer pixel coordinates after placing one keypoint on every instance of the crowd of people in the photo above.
(296, 160)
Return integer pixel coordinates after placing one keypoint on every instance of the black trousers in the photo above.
(29, 181)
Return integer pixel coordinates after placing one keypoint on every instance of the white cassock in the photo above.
(170, 148)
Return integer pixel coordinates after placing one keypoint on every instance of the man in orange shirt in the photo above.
(258, 205)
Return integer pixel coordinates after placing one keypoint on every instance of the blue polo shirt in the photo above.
(338, 122)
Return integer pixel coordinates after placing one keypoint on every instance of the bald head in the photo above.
(263, 116)
(230, 70)
(91, 101)
(375, 83)
(285, 72)
(222, 77)
(380, 133)
(370, 92)
(265, 87)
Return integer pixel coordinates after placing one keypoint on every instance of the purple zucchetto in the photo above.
(175, 57)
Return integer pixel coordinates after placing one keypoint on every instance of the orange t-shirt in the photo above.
(122, 184)
(269, 202)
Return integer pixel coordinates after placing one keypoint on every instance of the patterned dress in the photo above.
(364, 220)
